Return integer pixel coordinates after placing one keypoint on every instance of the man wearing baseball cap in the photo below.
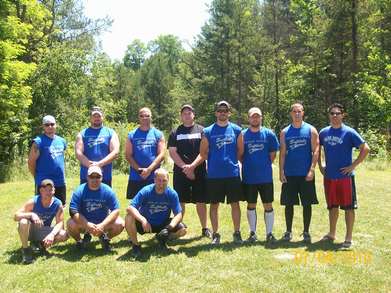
(94, 211)
(35, 218)
(46, 158)
(184, 147)
(97, 145)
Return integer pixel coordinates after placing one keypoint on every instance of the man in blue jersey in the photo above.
(144, 150)
(338, 141)
(46, 158)
(184, 147)
(150, 210)
(97, 145)
(221, 146)
(299, 150)
(94, 209)
(35, 219)
(260, 147)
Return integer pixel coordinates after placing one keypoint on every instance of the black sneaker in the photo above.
(80, 245)
(27, 256)
(206, 233)
(105, 241)
(35, 247)
(287, 236)
(306, 237)
(136, 251)
(270, 238)
(252, 237)
(215, 238)
(237, 237)
(162, 238)
(87, 238)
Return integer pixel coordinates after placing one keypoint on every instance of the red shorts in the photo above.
(340, 193)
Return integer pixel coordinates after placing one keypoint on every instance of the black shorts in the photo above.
(219, 188)
(59, 191)
(136, 186)
(157, 229)
(107, 182)
(265, 190)
(295, 186)
(190, 191)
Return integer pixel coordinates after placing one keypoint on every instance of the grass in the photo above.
(193, 265)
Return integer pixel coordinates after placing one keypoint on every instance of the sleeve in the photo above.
(130, 136)
(112, 201)
(206, 133)
(137, 200)
(158, 134)
(175, 205)
(65, 144)
(357, 140)
(321, 136)
(273, 142)
(38, 142)
(172, 139)
(74, 205)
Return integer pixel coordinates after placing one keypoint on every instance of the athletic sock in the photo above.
(269, 221)
(307, 214)
(252, 219)
(289, 217)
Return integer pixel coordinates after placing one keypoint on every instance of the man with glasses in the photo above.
(94, 209)
(299, 150)
(338, 141)
(97, 146)
(46, 158)
(144, 150)
(221, 146)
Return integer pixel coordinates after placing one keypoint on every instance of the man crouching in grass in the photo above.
(150, 212)
(35, 219)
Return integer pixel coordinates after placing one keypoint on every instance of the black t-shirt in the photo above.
(187, 141)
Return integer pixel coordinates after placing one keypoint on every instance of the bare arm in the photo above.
(140, 218)
(322, 167)
(114, 151)
(282, 157)
(364, 150)
(175, 221)
(204, 150)
(25, 212)
(175, 157)
(33, 157)
(49, 239)
(129, 155)
(110, 219)
(272, 156)
(315, 154)
(79, 151)
(240, 147)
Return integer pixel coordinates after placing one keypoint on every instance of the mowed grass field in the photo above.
(194, 265)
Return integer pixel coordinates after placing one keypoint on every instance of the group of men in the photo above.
(206, 171)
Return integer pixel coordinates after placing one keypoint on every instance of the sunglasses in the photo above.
(49, 124)
(222, 111)
(335, 113)
(95, 176)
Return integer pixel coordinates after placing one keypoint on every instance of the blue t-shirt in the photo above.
(257, 166)
(46, 214)
(145, 145)
(222, 156)
(94, 205)
(298, 150)
(50, 163)
(156, 208)
(96, 147)
(338, 144)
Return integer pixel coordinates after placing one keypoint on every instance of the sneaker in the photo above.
(87, 238)
(252, 237)
(215, 238)
(206, 233)
(287, 236)
(105, 241)
(347, 244)
(237, 237)
(162, 238)
(27, 255)
(270, 238)
(80, 245)
(306, 237)
(136, 251)
(35, 247)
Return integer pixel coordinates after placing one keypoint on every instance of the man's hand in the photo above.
(48, 240)
(347, 170)
(310, 175)
(144, 173)
(189, 171)
(36, 219)
(282, 177)
(94, 229)
(146, 226)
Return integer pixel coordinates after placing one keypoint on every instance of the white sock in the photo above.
(252, 219)
(269, 221)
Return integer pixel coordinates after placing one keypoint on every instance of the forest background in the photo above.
(251, 53)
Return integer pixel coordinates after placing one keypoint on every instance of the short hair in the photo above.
(161, 171)
(295, 104)
(145, 109)
(336, 105)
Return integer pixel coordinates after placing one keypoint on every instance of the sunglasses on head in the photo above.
(49, 124)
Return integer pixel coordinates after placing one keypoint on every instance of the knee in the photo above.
(129, 219)
(182, 232)
(24, 223)
(62, 236)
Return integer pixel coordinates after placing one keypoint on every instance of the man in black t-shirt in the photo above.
(184, 147)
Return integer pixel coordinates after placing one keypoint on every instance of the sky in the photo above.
(146, 20)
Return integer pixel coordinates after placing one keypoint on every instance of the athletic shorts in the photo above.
(297, 186)
(39, 233)
(219, 189)
(341, 193)
(136, 186)
(107, 182)
(59, 191)
(265, 190)
(158, 228)
(190, 191)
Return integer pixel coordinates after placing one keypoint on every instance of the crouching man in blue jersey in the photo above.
(94, 210)
(35, 218)
(150, 211)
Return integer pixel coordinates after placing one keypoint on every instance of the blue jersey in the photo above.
(50, 163)
(145, 146)
(96, 147)
(298, 156)
(156, 208)
(257, 166)
(338, 144)
(94, 205)
(222, 156)
(46, 214)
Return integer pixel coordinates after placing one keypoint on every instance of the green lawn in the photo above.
(193, 265)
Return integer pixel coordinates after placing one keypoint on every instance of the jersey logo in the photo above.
(333, 140)
(93, 206)
(188, 136)
(56, 151)
(157, 208)
(254, 147)
(95, 141)
(144, 144)
(222, 141)
(296, 143)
